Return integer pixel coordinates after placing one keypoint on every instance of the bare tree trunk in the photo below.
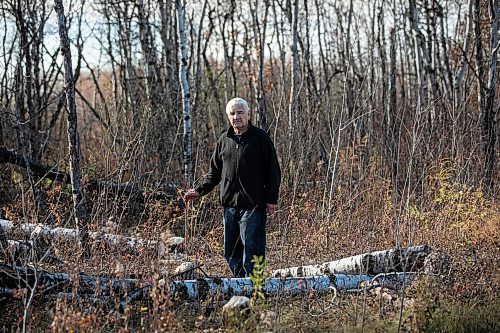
(479, 56)
(420, 47)
(489, 112)
(294, 98)
(186, 105)
(228, 17)
(448, 77)
(382, 50)
(198, 62)
(79, 205)
(260, 37)
(148, 50)
(464, 60)
(391, 113)
(431, 63)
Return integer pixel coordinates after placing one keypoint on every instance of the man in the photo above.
(245, 163)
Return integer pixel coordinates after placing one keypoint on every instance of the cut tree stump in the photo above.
(235, 310)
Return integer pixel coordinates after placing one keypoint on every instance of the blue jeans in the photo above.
(244, 237)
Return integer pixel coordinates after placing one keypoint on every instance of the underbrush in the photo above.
(310, 227)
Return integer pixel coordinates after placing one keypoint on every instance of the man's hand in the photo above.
(191, 195)
(271, 208)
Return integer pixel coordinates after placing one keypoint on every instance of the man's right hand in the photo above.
(191, 195)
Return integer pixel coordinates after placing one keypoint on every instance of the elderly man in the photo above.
(245, 163)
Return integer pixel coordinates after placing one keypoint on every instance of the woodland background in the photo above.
(384, 115)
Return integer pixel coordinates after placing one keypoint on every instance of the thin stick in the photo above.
(186, 228)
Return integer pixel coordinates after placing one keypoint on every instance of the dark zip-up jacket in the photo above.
(247, 169)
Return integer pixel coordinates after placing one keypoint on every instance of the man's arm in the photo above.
(211, 179)
(273, 178)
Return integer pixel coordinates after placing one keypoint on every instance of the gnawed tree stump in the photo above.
(395, 260)
(236, 310)
(127, 244)
(437, 263)
(185, 271)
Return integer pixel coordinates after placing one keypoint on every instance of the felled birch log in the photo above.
(14, 277)
(201, 288)
(128, 244)
(17, 249)
(395, 260)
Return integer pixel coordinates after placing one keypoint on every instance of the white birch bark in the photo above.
(135, 289)
(291, 286)
(394, 260)
(127, 244)
(186, 104)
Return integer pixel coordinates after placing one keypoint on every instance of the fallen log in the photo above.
(31, 250)
(128, 244)
(42, 171)
(14, 277)
(395, 260)
(164, 191)
(44, 282)
(290, 286)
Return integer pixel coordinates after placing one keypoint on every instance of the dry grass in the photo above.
(450, 217)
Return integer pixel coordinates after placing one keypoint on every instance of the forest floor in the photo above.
(307, 229)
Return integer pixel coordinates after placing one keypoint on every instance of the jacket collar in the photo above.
(230, 130)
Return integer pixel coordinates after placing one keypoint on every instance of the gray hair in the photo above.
(236, 101)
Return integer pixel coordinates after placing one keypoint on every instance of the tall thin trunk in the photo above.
(21, 134)
(148, 50)
(260, 38)
(419, 47)
(489, 113)
(463, 59)
(479, 55)
(391, 112)
(457, 83)
(448, 77)
(294, 98)
(186, 105)
(199, 64)
(79, 205)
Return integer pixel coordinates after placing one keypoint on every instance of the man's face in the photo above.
(238, 117)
